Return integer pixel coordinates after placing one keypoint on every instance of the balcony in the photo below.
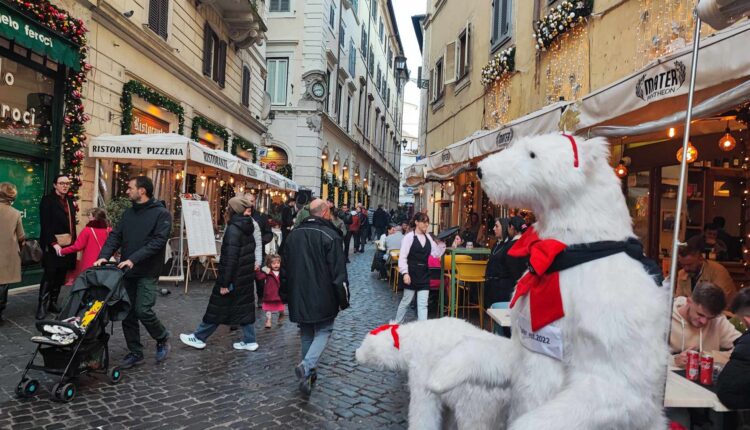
(246, 26)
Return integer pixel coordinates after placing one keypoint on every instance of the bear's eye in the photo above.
(532, 155)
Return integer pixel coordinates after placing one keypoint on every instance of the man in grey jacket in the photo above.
(141, 236)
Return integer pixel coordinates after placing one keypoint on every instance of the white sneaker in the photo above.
(246, 346)
(191, 340)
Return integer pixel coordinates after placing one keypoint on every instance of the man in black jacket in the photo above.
(266, 235)
(287, 218)
(733, 384)
(141, 236)
(380, 221)
(315, 282)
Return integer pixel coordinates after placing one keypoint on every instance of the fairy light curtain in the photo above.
(664, 26)
(497, 103)
(566, 72)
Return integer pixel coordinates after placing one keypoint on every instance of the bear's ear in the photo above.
(593, 151)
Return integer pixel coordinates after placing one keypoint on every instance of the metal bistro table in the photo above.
(453, 252)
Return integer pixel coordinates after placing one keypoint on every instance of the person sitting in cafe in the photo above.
(696, 269)
(709, 243)
(733, 384)
(699, 324)
(472, 232)
(734, 247)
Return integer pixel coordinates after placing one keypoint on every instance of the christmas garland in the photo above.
(501, 63)
(151, 96)
(238, 142)
(202, 122)
(74, 134)
(285, 170)
(565, 16)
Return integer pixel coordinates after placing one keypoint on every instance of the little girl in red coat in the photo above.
(271, 299)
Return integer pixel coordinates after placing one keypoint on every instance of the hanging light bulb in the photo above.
(231, 179)
(221, 182)
(203, 175)
(727, 142)
(671, 132)
(621, 170)
(692, 153)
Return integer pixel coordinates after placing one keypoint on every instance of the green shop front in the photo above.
(34, 64)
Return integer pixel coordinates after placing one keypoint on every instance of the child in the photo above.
(90, 241)
(271, 300)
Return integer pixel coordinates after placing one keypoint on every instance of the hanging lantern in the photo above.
(621, 170)
(727, 142)
(692, 153)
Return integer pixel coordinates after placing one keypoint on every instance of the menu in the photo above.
(199, 228)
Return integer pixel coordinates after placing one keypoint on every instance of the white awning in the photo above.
(279, 181)
(414, 174)
(661, 88)
(168, 146)
(454, 154)
(213, 157)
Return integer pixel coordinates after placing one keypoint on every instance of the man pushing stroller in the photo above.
(141, 236)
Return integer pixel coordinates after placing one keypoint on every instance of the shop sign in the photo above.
(409, 190)
(145, 123)
(503, 138)
(274, 181)
(446, 156)
(152, 151)
(660, 82)
(250, 172)
(24, 32)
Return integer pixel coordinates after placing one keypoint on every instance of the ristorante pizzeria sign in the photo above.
(151, 151)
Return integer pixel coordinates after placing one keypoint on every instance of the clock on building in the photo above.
(318, 90)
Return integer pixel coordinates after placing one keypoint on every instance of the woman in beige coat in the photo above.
(11, 237)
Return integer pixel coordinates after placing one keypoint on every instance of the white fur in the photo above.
(613, 330)
(424, 344)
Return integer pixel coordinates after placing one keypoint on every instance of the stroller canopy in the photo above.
(106, 284)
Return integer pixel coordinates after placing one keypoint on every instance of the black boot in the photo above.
(53, 294)
(41, 308)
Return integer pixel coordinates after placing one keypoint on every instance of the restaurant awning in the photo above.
(660, 89)
(414, 174)
(456, 158)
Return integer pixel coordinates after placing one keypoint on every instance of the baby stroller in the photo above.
(77, 342)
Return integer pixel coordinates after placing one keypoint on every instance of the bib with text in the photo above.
(547, 340)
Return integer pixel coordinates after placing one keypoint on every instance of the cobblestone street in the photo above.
(217, 387)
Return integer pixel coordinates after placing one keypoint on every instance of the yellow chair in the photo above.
(393, 269)
(467, 273)
(447, 275)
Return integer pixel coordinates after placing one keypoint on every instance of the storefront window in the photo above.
(25, 103)
(637, 200)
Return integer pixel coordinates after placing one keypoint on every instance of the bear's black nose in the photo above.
(479, 172)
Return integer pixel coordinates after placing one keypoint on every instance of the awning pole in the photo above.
(96, 183)
(182, 226)
(683, 178)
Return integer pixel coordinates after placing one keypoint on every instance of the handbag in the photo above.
(31, 253)
(63, 239)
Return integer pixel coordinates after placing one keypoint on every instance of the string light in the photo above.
(665, 27)
(727, 142)
(671, 132)
(566, 73)
(692, 153)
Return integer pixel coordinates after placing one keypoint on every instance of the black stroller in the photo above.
(77, 342)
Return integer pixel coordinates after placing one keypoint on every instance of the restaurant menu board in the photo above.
(199, 228)
(28, 177)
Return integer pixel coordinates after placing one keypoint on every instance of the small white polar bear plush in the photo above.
(588, 348)
(416, 348)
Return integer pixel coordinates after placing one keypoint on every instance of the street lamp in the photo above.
(400, 68)
(403, 144)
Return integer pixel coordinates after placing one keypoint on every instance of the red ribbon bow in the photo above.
(545, 299)
(393, 328)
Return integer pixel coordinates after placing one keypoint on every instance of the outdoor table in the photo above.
(500, 316)
(681, 393)
(453, 252)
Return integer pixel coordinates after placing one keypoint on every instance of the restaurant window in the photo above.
(214, 56)
(277, 79)
(501, 19)
(158, 17)
(279, 6)
(245, 86)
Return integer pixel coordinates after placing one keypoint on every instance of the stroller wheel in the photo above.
(64, 392)
(27, 388)
(115, 375)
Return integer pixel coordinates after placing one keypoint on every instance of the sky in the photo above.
(404, 10)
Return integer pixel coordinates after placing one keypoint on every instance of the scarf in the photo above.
(393, 328)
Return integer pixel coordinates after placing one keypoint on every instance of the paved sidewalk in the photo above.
(218, 387)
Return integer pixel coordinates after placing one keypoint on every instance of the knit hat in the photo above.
(239, 204)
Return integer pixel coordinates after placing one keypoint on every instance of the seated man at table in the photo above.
(733, 385)
(698, 321)
(696, 269)
(392, 240)
(709, 243)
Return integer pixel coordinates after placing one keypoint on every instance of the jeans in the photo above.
(357, 236)
(314, 340)
(142, 293)
(205, 330)
(3, 297)
(422, 297)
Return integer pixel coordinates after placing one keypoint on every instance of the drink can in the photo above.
(707, 369)
(693, 365)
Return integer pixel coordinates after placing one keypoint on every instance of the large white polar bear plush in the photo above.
(416, 348)
(599, 361)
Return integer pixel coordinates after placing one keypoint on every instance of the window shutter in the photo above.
(163, 18)
(221, 73)
(246, 86)
(207, 48)
(467, 54)
(505, 20)
(450, 64)
(153, 14)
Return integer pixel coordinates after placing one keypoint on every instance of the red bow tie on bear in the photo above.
(545, 299)
(394, 333)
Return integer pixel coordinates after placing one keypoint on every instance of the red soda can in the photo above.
(707, 369)
(693, 365)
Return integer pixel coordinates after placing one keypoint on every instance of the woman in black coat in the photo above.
(57, 216)
(503, 271)
(232, 300)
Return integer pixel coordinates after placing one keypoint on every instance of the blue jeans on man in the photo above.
(314, 340)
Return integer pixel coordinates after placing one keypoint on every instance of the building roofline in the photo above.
(392, 15)
(416, 21)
